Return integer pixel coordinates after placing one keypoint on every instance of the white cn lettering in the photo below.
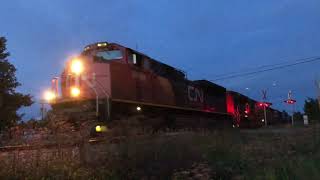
(195, 94)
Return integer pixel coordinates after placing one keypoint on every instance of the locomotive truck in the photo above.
(118, 80)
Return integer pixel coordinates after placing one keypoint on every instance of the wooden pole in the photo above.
(318, 91)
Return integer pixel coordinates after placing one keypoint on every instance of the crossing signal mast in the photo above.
(291, 101)
(265, 105)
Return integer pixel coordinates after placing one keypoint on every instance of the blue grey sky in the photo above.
(205, 38)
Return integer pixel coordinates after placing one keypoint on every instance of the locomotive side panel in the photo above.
(200, 95)
(123, 85)
(180, 93)
(244, 110)
(133, 84)
(214, 96)
(100, 78)
(162, 91)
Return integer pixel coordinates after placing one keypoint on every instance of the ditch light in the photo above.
(100, 128)
(49, 96)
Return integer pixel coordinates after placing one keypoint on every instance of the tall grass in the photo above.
(229, 155)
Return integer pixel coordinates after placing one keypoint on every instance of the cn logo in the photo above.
(195, 94)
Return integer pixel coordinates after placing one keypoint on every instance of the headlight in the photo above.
(76, 66)
(75, 92)
(49, 96)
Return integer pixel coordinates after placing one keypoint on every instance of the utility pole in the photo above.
(264, 97)
(42, 109)
(291, 101)
(318, 90)
(265, 115)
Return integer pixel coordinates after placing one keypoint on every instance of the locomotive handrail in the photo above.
(108, 99)
(84, 78)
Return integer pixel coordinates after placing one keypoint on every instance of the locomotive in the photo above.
(119, 80)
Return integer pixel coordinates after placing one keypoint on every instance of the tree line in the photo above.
(10, 100)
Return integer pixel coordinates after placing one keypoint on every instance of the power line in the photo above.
(306, 60)
(265, 66)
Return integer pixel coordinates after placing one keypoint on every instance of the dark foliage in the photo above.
(311, 108)
(298, 116)
(10, 100)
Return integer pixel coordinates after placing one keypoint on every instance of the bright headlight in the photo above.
(101, 128)
(75, 92)
(76, 66)
(49, 96)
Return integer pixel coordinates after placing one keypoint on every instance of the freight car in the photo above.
(249, 113)
(243, 109)
(120, 80)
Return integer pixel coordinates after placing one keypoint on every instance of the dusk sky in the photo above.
(204, 38)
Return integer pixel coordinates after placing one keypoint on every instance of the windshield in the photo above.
(109, 55)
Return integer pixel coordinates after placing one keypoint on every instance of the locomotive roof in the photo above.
(208, 83)
(157, 61)
(239, 94)
(104, 44)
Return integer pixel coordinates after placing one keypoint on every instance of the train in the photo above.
(118, 80)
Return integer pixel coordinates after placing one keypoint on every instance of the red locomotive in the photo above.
(121, 80)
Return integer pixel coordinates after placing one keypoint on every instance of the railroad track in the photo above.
(35, 147)
(96, 140)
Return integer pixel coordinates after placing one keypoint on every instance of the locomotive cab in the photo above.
(105, 53)
(112, 72)
(90, 69)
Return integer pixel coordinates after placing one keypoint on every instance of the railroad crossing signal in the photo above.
(265, 104)
(291, 101)
(264, 94)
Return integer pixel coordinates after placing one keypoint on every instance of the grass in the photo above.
(229, 155)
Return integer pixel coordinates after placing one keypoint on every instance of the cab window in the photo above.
(137, 59)
(109, 55)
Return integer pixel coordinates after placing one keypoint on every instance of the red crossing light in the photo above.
(290, 101)
(267, 104)
(264, 104)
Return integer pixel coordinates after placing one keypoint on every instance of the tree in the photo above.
(10, 100)
(285, 116)
(311, 108)
(297, 116)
